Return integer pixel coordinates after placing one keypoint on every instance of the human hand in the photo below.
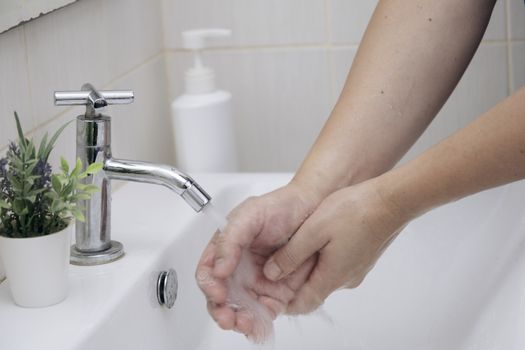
(255, 229)
(349, 230)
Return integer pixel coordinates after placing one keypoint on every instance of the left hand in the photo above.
(230, 268)
(349, 230)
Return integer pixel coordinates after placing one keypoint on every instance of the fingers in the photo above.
(244, 322)
(305, 243)
(214, 289)
(244, 224)
(295, 280)
(275, 306)
(223, 315)
(312, 294)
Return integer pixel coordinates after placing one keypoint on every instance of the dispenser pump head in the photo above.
(200, 79)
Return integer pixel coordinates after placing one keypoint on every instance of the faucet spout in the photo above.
(165, 175)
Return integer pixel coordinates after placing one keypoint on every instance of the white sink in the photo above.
(454, 279)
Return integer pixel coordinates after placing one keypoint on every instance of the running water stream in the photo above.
(239, 297)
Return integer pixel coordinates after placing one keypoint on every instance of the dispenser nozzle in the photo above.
(199, 78)
(196, 39)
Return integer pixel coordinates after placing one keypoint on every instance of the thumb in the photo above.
(303, 244)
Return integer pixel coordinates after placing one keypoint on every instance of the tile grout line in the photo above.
(510, 78)
(251, 48)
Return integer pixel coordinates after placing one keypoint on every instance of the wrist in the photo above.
(309, 194)
(400, 195)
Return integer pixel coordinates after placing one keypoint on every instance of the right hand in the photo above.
(347, 233)
(262, 225)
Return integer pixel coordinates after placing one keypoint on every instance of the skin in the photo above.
(259, 224)
(352, 226)
(344, 206)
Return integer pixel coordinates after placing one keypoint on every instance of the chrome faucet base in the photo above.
(114, 252)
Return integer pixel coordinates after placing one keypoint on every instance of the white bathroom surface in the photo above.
(454, 279)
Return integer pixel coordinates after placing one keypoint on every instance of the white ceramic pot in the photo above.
(36, 268)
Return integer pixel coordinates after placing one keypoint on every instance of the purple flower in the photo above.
(42, 169)
(13, 149)
(5, 184)
(3, 167)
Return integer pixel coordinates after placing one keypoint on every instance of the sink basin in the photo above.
(454, 279)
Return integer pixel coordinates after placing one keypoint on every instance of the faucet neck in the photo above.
(93, 138)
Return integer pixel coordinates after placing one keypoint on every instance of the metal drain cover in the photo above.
(167, 286)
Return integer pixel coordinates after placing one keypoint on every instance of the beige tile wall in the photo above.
(287, 62)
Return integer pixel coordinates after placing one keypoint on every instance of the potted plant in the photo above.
(37, 207)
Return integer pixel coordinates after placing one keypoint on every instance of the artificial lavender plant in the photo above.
(34, 201)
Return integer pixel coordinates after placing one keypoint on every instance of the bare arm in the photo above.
(353, 226)
(488, 152)
(409, 61)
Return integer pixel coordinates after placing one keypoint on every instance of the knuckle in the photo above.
(204, 279)
(247, 205)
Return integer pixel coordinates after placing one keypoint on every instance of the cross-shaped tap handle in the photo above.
(92, 98)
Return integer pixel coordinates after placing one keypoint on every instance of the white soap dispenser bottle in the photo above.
(202, 120)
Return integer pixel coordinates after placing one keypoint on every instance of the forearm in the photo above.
(487, 153)
(410, 59)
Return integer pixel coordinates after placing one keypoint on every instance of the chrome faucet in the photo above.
(93, 245)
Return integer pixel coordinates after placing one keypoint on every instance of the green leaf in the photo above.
(30, 181)
(52, 141)
(57, 206)
(37, 191)
(55, 182)
(94, 168)
(82, 196)
(29, 170)
(17, 163)
(81, 186)
(18, 206)
(90, 189)
(21, 138)
(4, 204)
(15, 182)
(78, 167)
(43, 144)
(64, 180)
(54, 205)
(64, 166)
(68, 189)
(30, 150)
(78, 214)
(51, 195)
